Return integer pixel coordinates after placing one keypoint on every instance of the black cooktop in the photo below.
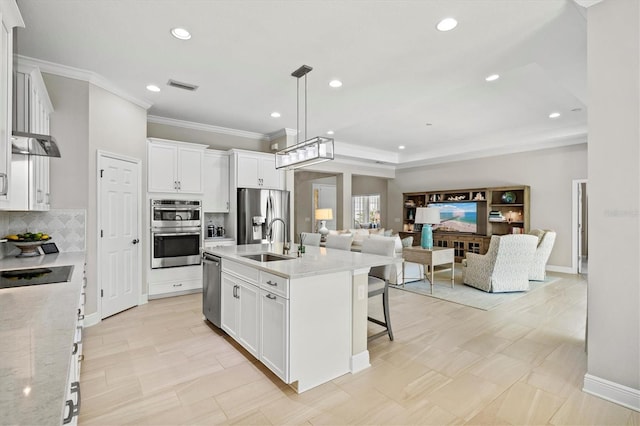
(35, 276)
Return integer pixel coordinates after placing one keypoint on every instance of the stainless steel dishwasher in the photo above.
(211, 288)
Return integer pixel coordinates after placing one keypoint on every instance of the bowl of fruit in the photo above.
(28, 243)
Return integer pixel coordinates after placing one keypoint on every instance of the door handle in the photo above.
(135, 241)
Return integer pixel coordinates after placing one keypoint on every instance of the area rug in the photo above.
(466, 295)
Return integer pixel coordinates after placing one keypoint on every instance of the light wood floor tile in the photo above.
(520, 363)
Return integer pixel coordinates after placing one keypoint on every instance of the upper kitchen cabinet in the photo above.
(175, 167)
(257, 170)
(30, 176)
(9, 18)
(216, 182)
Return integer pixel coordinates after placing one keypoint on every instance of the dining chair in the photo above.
(379, 281)
(311, 239)
(340, 242)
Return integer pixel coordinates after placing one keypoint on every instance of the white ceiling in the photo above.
(399, 72)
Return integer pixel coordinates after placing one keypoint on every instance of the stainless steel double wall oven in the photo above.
(176, 233)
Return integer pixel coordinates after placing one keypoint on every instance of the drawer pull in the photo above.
(80, 317)
(178, 285)
(275, 284)
(74, 409)
(75, 349)
(271, 296)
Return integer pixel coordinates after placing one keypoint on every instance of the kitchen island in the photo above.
(305, 318)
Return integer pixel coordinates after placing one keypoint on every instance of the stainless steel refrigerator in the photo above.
(256, 210)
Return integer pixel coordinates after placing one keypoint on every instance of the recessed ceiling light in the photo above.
(401, 147)
(275, 114)
(181, 33)
(330, 132)
(447, 24)
(554, 115)
(493, 77)
(335, 83)
(153, 88)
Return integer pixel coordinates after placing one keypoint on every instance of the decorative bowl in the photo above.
(508, 197)
(28, 248)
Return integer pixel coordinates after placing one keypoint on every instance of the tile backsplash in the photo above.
(67, 228)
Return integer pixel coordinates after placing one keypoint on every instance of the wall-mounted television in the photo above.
(461, 217)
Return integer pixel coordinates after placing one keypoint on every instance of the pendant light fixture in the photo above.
(310, 151)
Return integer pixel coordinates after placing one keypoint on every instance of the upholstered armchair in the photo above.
(546, 239)
(505, 267)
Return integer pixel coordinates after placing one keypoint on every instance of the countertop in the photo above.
(37, 328)
(316, 260)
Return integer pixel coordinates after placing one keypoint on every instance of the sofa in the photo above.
(413, 271)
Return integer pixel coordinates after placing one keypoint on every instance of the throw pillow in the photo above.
(388, 232)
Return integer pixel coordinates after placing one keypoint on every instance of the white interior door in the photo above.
(119, 248)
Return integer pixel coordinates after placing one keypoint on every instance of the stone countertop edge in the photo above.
(37, 330)
(316, 260)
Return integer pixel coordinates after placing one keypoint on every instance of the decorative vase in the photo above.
(426, 240)
(508, 197)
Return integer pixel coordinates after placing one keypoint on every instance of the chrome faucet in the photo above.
(287, 243)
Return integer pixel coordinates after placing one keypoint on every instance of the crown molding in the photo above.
(206, 128)
(83, 75)
(11, 16)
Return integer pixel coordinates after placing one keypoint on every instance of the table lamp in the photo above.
(323, 215)
(427, 216)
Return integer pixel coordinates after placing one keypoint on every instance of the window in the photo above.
(366, 211)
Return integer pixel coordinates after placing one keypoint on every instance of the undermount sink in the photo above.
(266, 257)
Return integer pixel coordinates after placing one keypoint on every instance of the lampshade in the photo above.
(324, 214)
(428, 215)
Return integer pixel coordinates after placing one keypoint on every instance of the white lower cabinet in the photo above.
(71, 409)
(274, 333)
(240, 314)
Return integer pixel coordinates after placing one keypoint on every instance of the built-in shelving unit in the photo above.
(500, 211)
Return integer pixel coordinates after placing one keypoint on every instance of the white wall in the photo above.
(548, 172)
(613, 41)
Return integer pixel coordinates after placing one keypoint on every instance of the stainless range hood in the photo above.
(34, 144)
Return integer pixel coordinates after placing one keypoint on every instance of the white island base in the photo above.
(304, 318)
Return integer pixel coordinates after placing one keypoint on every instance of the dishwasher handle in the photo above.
(211, 259)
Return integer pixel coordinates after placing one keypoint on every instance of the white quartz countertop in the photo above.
(37, 328)
(316, 260)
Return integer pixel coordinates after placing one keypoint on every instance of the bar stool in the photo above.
(379, 281)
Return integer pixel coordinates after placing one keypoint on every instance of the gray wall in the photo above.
(613, 40)
(87, 119)
(549, 173)
(70, 126)
(370, 185)
(304, 198)
(214, 140)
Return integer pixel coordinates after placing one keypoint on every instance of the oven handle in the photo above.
(170, 234)
(177, 208)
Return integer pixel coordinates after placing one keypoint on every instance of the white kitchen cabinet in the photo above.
(168, 282)
(240, 312)
(274, 333)
(257, 170)
(9, 18)
(29, 186)
(216, 182)
(175, 167)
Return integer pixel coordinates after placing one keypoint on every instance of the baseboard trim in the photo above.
(561, 269)
(360, 361)
(611, 391)
(92, 319)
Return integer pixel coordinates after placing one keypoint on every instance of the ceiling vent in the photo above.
(183, 86)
